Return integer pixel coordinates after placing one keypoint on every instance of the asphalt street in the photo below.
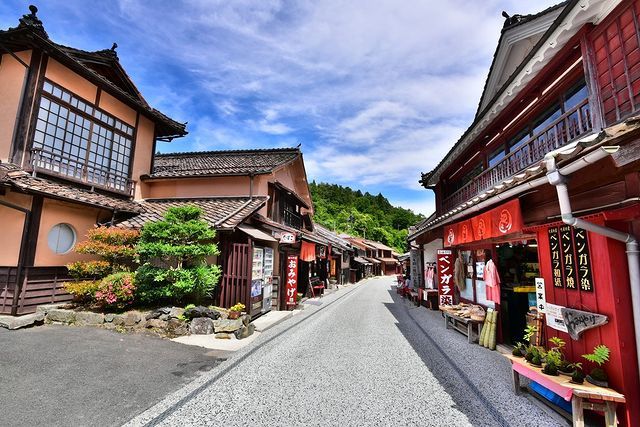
(73, 376)
(362, 357)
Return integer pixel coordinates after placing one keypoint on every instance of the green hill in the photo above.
(373, 217)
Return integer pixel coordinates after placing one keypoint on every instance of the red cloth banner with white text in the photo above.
(500, 221)
(445, 276)
(292, 280)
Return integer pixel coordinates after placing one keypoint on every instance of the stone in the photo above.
(17, 322)
(46, 307)
(201, 311)
(118, 320)
(131, 318)
(246, 319)
(176, 312)
(61, 315)
(109, 317)
(227, 325)
(177, 327)
(89, 318)
(158, 312)
(245, 331)
(222, 336)
(156, 323)
(164, 317)
(201, 326)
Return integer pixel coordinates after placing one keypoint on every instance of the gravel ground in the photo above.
(363, 357)
(72, 376)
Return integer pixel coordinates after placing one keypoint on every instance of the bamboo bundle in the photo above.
(493, 331)
(485, 329)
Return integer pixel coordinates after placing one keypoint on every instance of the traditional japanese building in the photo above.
(76, 135)
(269, 223)
(545, 183)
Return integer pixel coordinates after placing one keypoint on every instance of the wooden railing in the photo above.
(292, 219)
(80, 171)
(571, 125)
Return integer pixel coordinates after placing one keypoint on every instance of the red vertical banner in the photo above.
(292, 280)
(445, 276)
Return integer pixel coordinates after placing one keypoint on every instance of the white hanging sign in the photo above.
(541, 300)
(553, 314)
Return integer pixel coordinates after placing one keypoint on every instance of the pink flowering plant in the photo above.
(116, 290)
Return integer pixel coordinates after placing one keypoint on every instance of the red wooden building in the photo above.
(545, 182)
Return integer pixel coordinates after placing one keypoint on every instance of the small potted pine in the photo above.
(561, 363)
(236, 310)
(599, 356)
(552, 360)
(519, 350)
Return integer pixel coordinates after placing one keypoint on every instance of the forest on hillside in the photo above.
(350, 211)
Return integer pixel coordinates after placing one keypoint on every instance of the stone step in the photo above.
(17, 322)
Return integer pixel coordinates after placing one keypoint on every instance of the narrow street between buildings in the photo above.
(362, 356)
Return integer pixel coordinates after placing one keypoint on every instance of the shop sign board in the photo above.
(585, 278)
(578, 321)
(500, 221)
(445, 276)
(541, 300)
(568, 259)
(554, 250)
(288, 238)
(553, 314)
(292, 280)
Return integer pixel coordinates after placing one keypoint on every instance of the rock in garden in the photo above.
(156, 323)
(227, 325)
(201, 311)
(222, 336)
(89, 318)
(177, 327)
(61, 315)
(17, 322)
(158, 312)
(131, 318)
(245, 331)
(176, 312)
(201, 326)
(109, 317)
(118, 319)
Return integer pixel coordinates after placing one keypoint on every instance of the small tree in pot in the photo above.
(599, 356)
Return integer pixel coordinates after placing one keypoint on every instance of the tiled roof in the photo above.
(30, 33)
(207, 163)
(332, 237)
(14, 176)
(222, 213)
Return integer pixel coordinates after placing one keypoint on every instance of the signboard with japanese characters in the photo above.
(554, 317)
(585, 278)
(291, 280)
(578, 321)
(445, 276)
(554, 250)
(287, 238)
(568, 258)
(541, 300)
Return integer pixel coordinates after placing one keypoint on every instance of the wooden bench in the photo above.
(315, 284)
(582, 396)
(463, 325)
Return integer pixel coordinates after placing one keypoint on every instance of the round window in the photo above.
(61, 238)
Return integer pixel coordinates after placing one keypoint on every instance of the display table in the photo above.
(599, 398)
(463, 325)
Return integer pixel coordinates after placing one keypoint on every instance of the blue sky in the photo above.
(376, 91)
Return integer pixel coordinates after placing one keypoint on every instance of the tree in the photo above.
(173, 253)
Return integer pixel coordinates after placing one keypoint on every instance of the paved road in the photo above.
(363, 357)
(71, 376)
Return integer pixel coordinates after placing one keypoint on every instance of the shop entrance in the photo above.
(518, 267)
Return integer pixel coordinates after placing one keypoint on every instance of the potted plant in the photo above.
(531, 350)
(599, 356)
(519, 350)
(577, 377)
(552, 359)
(566, 368)
(234, 311)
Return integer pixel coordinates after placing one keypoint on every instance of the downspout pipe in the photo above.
(559, 180)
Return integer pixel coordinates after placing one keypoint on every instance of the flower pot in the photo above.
(597, 382)
(234, 315)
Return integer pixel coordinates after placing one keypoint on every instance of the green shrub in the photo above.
(116, 290)
(173, 254)
(89, 269)
(82, 290)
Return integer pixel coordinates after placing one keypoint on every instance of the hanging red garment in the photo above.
(308, 251)
(492, 280)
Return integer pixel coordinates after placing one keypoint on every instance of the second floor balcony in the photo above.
(571, 125)
(292, 219)
(83, 172)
